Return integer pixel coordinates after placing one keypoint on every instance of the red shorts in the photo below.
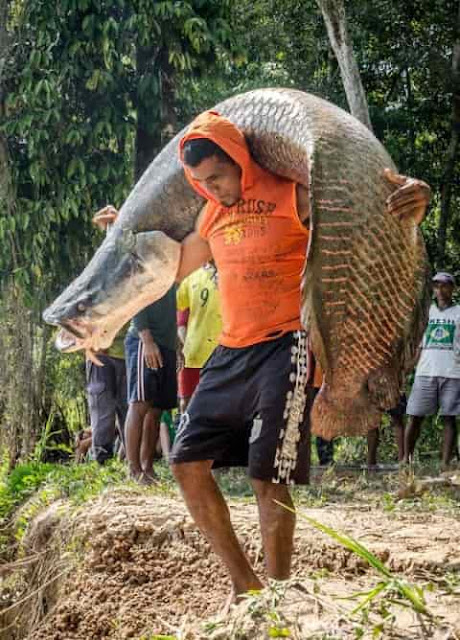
(188, 380)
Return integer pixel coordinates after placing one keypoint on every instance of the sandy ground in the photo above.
(132, 565)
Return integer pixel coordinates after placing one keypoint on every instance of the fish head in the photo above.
(128, 272)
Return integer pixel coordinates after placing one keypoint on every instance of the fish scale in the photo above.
(364, 293)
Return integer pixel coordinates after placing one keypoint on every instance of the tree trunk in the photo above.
(6, 192)
(336, 24)
(17, 329)
(154, 129)
(148, 136)
(451, 157)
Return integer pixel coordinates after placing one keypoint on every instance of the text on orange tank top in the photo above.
(259, 246)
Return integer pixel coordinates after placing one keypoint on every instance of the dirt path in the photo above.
(135, 567)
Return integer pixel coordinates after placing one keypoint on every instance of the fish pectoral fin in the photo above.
(90, 355)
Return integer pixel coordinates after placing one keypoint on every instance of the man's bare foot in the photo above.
(134, 474)
(234, 599)
(148, 478)
(231, 600)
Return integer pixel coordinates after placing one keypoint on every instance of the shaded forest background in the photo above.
(90, 90)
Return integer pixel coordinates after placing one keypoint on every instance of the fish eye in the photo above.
(81, 306)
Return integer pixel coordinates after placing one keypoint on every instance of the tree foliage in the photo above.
(90, 90)
(81, 73)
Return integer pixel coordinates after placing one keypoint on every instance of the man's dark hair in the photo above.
(198, 149)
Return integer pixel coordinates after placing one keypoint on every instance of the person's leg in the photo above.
(373, 439)
(449, 401)
(102, 405)
(449, 440)
(279, 446)
(150, 433)
(208, 509)
(188, 380)
(423, 401)
(397, 422)
(411, 436)
(183, 404)
(277, 527)
(133, 436)
(121, 398)
(165, 440)
(325, 451)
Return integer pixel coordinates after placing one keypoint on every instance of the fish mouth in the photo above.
(72, 328)
(73, 336)
(66, 341)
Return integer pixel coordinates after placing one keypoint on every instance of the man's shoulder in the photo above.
(453, 309)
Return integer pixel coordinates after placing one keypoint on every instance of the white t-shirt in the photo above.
(440, 344)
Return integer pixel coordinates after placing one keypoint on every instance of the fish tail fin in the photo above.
(335, 415)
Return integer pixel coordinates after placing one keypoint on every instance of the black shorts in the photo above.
(158, 387)
(249, 410)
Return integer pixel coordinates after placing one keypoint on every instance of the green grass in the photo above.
(76, 482)
(31, 486)
(34, 485)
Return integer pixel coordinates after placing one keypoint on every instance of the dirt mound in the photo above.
(132, 565)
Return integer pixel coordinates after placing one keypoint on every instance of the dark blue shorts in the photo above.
(249, 410)
(158, 387)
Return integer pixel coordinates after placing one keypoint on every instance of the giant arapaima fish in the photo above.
(364, 298)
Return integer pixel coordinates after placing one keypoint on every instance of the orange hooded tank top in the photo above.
(259, 244)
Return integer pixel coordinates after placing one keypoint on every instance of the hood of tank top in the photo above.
(228, 137)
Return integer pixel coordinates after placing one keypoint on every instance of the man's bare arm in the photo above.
(195, 252)
(303, 204)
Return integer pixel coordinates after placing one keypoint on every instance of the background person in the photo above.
(106, 385)
(106, 390)
(199, 323)
(150, 347)
(437, 377)
(167, 434)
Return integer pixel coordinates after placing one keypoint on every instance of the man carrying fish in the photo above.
(364, 295)
(249, 407)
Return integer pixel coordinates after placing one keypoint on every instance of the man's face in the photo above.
(221, 179)
(443, 292)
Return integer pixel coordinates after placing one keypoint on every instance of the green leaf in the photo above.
(93, 81)
(277, 632)
(71, 169)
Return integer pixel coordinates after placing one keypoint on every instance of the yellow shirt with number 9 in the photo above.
(199, 294)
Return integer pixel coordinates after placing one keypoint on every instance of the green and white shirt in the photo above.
(440, 357)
